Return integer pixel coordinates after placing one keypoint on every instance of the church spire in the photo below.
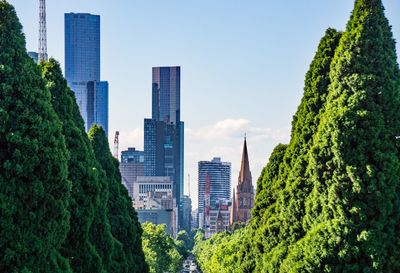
(245, 174)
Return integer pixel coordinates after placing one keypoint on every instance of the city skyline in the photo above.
(164, 132)
(266, 118)
(82, 67)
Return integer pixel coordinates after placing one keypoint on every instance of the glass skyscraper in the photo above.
(164, 133)
(97, 104)
(82, 65)
(166, 94)
(218, 174)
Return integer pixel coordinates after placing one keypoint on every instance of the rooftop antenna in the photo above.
(42, 31)
(116, 144)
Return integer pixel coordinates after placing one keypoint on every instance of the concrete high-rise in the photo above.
(82, 65)
(131, 167)
(164, 132)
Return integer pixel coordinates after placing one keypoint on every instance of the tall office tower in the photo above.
(97, 104)
(166, 94)
(82, 61)
(214, 178)
(164, 133)
(131, 167)
(42, 31)
(243, 199)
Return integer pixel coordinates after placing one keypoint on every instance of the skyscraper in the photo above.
(82, 65)
(214, 178)
(166, 94)
(164, 132)
(243, 199)
(97, 104)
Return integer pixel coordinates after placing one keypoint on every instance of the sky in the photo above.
(243, 65)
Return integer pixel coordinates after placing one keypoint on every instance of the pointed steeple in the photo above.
(245, 174)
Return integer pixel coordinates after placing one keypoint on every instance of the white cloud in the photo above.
(234, 128)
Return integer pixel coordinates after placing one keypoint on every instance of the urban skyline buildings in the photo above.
(82, 67)
(166, 94)
(164, 132)
(214, 186)
(131, 167)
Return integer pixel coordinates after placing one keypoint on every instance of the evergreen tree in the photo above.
(122, 216)
(34, 188)
(88, 238)
(352, 215)
(284, 185)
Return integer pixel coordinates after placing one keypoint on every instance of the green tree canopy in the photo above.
(34, 188)
(125, 226)
(84, 173)
(352, 218)
(160, 249)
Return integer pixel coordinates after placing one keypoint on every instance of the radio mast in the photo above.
(42, 32)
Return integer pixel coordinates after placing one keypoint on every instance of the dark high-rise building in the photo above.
(97, 104)
(132, 155)
(243, 199)
(164, 133)
(166, 94)
(131, 167)
(187, 213)
(214, 179)
(82, 65)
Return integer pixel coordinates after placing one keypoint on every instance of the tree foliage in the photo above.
(160, 249)
(125, 226)
(327, 201)
(34, 187)
(84, 172)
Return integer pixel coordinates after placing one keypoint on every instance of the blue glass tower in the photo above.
(97, 104)
(82, 62)
(164, 133)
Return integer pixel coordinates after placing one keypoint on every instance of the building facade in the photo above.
(243, 198)
(131, 166)
(132, 156)
(82, 65)
(187, 214)
(166, 94)
(214, 181)
(34, 56)
(164, 132)
(218, 219)
(97, 104)
(154, 202)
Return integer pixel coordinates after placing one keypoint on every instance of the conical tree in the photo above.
(34, 188)
(283, 187)
(122, 216)
(352, 218)
(88, 237)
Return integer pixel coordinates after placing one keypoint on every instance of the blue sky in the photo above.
(243, 65)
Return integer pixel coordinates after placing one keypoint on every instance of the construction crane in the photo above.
(116, 144)
(42, 31)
